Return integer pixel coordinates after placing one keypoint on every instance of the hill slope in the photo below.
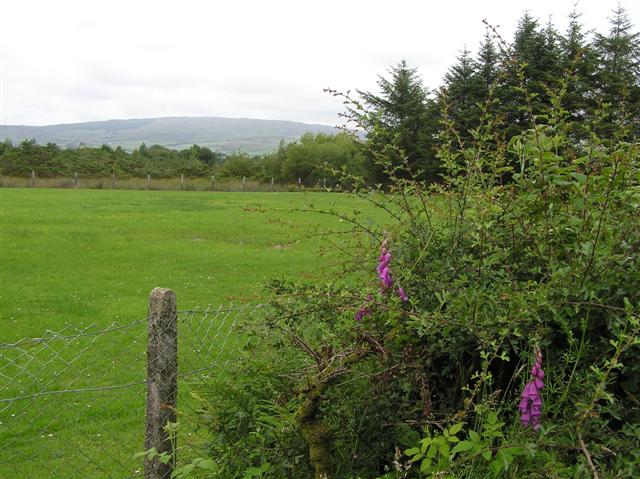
(222, 134)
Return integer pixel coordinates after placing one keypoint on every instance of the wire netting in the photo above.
(72, 402)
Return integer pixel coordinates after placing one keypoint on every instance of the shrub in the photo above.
(526, 257)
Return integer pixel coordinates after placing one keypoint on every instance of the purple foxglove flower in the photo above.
(361, 313)
(402, 294)
(531, 401)
(383, 261)
(364, 310)
(385, 277)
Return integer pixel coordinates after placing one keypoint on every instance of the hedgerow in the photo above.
(489, 328)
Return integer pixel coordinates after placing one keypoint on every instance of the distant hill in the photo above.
(221, 134)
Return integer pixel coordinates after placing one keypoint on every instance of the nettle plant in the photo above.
(526, 250)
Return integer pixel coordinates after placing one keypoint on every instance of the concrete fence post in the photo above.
(213, 182)
(113, 181)
(162, 384)
(148, 182)
(182, 182)
(244, 179)
(75, 180)
(272, 183)
(33, 179)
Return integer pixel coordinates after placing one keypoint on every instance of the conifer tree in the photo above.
(578, 62)
(406, 122)
(487, 63)
(618, 71)
(464, 89)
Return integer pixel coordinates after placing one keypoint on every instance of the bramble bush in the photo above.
(498, 336)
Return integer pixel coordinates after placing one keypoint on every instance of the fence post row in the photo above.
(162, 384)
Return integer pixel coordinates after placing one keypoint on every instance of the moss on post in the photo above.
(315, 432)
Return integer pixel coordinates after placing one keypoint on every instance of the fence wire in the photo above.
(72, 402)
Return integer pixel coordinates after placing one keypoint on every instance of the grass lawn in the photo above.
(91, 257)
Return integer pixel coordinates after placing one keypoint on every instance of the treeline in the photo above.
(309, 159)
(593, 75)
(589, 78)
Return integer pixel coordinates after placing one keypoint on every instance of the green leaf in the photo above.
(433, 450)
(496, 467)
(474, 436)
(462, 447)
(412, 452)
(455, 429)
(184, 470)
(443, 449)
(486, 455)
(252, 472)
(492, 418)
(425, 466)
(580, 177)
(425, 443)
(208, 465)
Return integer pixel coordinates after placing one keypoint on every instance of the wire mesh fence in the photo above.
(72, 402)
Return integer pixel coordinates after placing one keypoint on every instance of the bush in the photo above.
(525, 258)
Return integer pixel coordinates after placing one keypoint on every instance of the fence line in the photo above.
(72, 401)
(149, 182)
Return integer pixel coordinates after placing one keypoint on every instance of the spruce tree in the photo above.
(464, 90)
(618, 72)
(487, 64)
(578, 62)
(406, 125)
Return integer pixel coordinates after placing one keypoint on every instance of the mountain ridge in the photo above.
(217, 133)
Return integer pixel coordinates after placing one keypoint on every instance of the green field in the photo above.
(91, 257)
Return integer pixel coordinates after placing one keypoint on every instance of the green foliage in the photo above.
(51, 161)
(314, 159)
(250, 414)
(531, 241)
(238, 165)
(400, 123)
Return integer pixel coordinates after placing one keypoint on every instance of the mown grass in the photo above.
(91, 257)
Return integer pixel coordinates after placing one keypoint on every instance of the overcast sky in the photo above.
(69, 61)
